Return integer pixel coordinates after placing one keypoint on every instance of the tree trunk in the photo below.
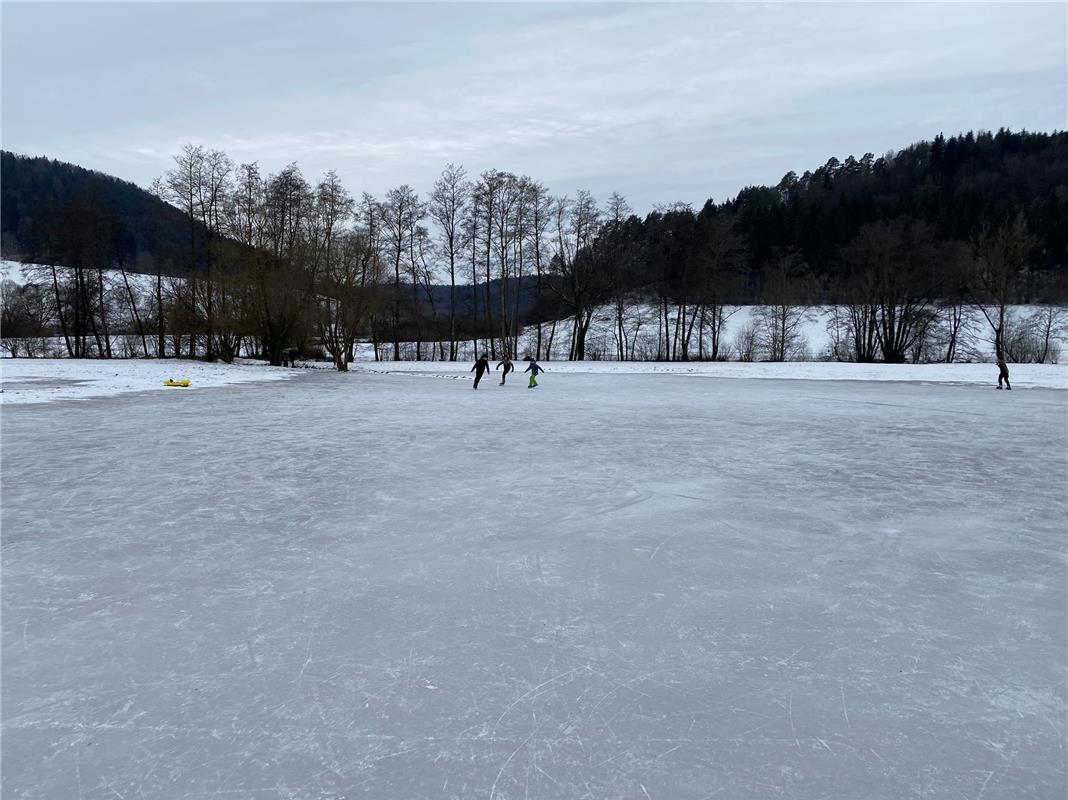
(161, 333)
(103, 311)
(133, 308)
(452, 304)
(60, 314)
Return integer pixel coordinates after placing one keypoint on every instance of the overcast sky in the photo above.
(661, 102)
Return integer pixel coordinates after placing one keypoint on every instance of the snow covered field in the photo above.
(386, 585)
(41, 380)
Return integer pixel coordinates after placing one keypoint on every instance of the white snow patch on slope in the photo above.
(42, 273)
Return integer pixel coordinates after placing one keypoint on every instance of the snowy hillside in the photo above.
(40, 273)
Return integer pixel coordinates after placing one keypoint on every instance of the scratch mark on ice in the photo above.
(790, 712)
(657, 550)
(307, 661)
(529, 692)
(982, 788)
(78, 767)
(546, 774)
(522, 744)
(667, 752)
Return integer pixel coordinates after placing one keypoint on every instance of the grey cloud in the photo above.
(659, 101)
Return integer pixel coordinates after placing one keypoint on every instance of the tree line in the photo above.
(898, 245)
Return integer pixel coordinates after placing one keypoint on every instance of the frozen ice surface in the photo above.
(613, 586)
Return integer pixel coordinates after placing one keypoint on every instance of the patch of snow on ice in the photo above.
(42, 380)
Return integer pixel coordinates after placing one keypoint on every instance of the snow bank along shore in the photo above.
(41, 380)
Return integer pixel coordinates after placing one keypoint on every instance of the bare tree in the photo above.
(212, 189)
(954, 329)
(780, 321)
(891, 285)
(182, 186)
(616, 212)
(369, 218)
(581, 282)
(1050, 324)
(540, 210)
(747, 341)
(117, 243)
(906, 293)
(158, 190)
(271, 219)
(472, 233)
(400, 213)
(348, 295)
(24, 317)
(79, 246)
(200, 186)
(507, 224)
(720, 255)
(333, 208)
(335, 260)
(1001, 256)
(421, 274)
(487, 197)
(448, 205)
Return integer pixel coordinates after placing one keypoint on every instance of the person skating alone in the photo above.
(480, 368)
(1003, 373)
(508, 367)
(533, 368)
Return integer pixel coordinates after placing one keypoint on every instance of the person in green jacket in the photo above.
(533, 368)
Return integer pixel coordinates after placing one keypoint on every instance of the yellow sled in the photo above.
(172, 382)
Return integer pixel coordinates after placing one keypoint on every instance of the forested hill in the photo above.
(953, 188)
(47, 205)
(956, 185)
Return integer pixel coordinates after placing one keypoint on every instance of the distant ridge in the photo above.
(35, 189)
(957, 185)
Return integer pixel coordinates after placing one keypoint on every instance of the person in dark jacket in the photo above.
(1003, 373)
(480, 368)
(508, 367)
(533, 368)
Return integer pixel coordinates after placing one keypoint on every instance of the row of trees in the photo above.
(275, 263)
(781, 332)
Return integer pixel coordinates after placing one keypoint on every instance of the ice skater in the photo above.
(533, 368)
(1003, 373)
(508, 367)
(480, 368)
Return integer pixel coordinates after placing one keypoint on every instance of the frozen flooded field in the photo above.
(651, 586)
